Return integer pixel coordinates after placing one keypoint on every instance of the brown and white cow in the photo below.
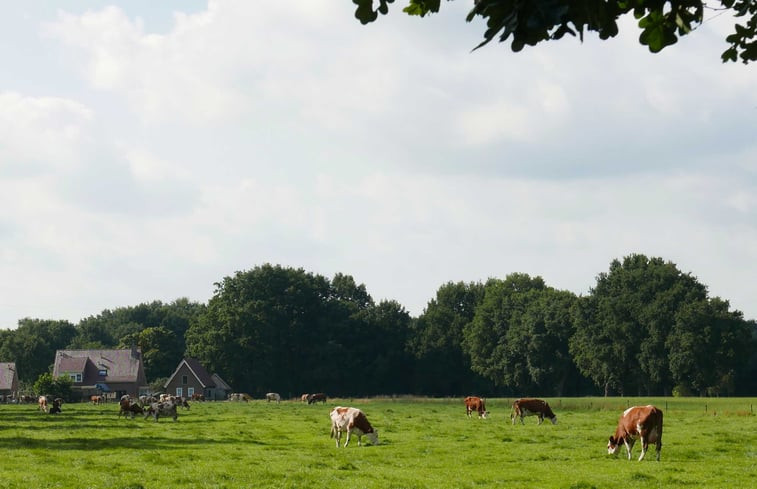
(96, 399)
(42, 401)
(643, 422)
(304, 397)
(532, 407)
(477, 404)
(318, 397)
(351, 420)
(273, 396)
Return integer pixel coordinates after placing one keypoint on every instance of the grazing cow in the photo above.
(96, 399)
(304, 397)
(643, 422)
(351, 420)
(198, 397)
(318, 397)
(273, 396)
(42, 400)
(161, 410)
(477, 404)
(532, 407)
(239, 397)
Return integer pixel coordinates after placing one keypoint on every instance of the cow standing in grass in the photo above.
(477, 404)
(532, 407)
(317, 397)
(158, 410)
(643, 422)
(273, 396)
(351, 420)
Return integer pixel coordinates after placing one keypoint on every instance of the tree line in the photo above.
(645, 328)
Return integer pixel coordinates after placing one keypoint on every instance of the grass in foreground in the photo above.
(425, 443)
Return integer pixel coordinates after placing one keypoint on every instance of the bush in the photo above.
(47, 385)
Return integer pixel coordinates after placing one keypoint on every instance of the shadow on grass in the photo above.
(115, 443)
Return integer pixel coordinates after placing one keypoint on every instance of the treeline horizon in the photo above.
(644, 329)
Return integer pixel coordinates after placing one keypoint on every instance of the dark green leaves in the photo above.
(534, 21)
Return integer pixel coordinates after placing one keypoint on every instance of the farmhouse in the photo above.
(112, 372)
(190, 378)
(8, 381)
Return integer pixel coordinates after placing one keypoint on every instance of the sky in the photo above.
(150, 149)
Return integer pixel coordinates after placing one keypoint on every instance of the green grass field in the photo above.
(425, 443)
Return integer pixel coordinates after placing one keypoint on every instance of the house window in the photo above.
(75, 377)
(179, 392)
(190, 391)
(184, 380)
(102, 372)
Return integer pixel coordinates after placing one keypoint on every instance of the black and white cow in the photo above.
(164, 409)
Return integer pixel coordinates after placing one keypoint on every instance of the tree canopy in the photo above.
(528, 23)
(645, 328)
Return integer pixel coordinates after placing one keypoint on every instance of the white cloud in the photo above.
(253, 132)
(40, 132)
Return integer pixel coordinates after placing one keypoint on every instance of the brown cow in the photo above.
(477, 404)
(318, 397)
(96, 399)
(532, 407)
(643, 422)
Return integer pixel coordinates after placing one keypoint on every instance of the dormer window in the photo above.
(102, 372)
(75, 377)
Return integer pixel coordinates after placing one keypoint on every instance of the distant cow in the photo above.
(643, 422)
(532, 407)
(198, 397)
(55, 407)
(161, 410)
(318, 397)
(96, 399)
(128, 408)
(304, 397)
(273, 396)
(351, 420)
(236, 396)
(42, 400)
(477, 404)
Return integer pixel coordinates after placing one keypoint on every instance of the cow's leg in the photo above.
(541, 418)
(644, 446)
(338, 437)
(347, 442)
(658, 448)
(521, 419)
(628, 441)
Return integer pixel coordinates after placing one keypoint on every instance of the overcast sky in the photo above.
(149, 149)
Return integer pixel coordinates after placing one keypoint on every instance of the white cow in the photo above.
(273, 396)
(351, 420)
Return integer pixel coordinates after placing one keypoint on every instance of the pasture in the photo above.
(425, 443)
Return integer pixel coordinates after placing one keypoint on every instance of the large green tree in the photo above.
(33, 344)
(442, 367)
(518, 337)
(709, 345)
(528, 23)
(645, 324)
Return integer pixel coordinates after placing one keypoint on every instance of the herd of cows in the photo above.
(636, 423)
